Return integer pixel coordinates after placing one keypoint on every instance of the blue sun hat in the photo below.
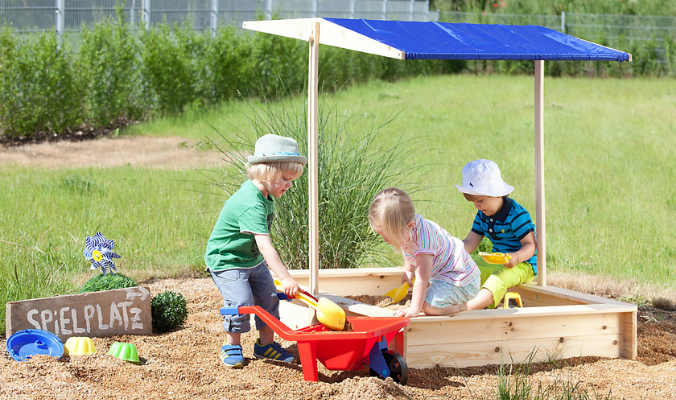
(274, 148)
(483, 178)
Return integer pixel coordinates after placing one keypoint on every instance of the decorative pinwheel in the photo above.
(100, 252)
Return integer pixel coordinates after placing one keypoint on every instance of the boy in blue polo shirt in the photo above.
(506, 224)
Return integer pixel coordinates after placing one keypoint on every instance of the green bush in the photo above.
(37, 86)
(169, 311)
(120, 74)
(107, 282)
(110, 76)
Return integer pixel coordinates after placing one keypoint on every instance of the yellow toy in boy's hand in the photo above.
(495, 258)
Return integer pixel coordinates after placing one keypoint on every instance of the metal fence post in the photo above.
(315, 6)
(384, 9)
(214, 17)
(352, 8)
(563, 22)
(59, 17)
(268, 10)
(427, 10)
(146, 14)
(412, 9)
(132, 16)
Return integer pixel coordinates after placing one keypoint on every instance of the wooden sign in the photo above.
(105, 313)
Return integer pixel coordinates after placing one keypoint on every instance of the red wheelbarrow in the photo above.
(366, 344)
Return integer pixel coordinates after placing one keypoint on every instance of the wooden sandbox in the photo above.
(553, 324)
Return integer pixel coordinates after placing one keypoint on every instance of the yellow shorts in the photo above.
(497, 278)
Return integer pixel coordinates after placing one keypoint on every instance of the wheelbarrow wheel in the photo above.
(397, 365)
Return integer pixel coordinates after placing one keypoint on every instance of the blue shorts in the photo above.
(246, 287)
(442, 294)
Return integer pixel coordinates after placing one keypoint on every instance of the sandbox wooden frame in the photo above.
(554, 323)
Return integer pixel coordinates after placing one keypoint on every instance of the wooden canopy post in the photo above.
(540, 172)
(313, 181)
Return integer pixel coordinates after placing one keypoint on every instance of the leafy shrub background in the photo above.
(120, 74)
(169, 311)
(107, 282)
(110, 79)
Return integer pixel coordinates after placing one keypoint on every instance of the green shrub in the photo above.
(173, 63)
(37, 86)
(107, 282)
(110, 73)
(169, 311)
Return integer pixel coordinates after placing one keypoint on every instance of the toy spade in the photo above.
(328, 313)
(398, 293)
(495, 258)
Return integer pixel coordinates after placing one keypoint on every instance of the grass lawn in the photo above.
(609, 170)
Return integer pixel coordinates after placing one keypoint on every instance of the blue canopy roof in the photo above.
(454, 41)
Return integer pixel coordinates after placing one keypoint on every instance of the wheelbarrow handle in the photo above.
(278, 326)
(235, 310)
(230, 310)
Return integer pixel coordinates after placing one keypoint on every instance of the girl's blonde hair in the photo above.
(272, 171)
(391, 212)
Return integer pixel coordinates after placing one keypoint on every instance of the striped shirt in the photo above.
(506, 228)
(450, 262)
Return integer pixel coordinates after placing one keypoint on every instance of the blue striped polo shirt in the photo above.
(506, 228)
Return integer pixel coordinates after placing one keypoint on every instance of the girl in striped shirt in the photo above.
(430, 253)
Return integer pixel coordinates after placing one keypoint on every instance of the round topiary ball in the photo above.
(107, 282)
(169, 311)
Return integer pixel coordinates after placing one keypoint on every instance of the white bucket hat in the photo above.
(482, 178)
(273, 148)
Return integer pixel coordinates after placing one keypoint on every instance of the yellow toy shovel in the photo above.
(495, 258)
(328, 313)
(396, 294)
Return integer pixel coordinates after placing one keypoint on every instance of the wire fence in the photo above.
(624, 32)
(72, 15)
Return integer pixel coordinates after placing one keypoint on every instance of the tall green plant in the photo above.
(38, 86)
(231, 72)
(168, 67)
(8, 43)
(353, 167)
(110, 73)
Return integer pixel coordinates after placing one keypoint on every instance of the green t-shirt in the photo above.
(232, 243)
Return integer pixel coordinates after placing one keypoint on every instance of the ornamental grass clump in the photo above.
(169, 311)
(353, 168)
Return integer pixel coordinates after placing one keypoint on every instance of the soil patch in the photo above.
(184, 364)
(172, 153)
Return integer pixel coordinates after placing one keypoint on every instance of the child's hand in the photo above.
(290, 286)
(512, 261)
(407, 312)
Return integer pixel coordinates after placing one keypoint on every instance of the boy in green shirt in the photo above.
(239, 251)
